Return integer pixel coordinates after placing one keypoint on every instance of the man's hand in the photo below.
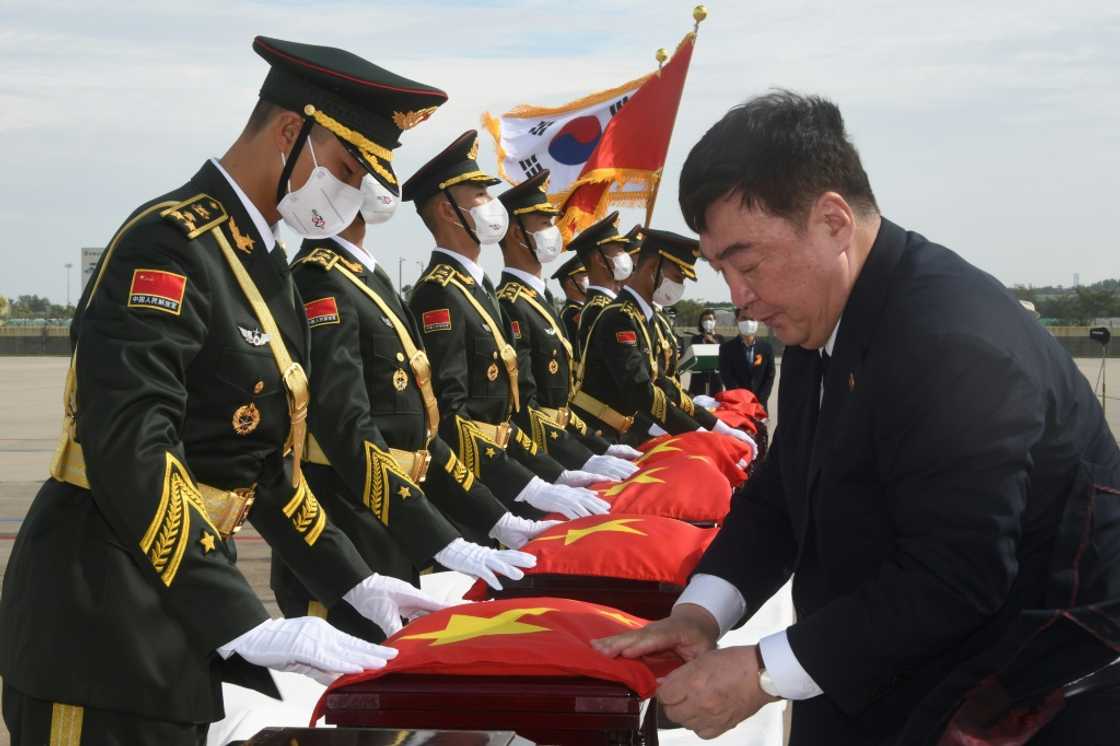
(690, 631)
(715, 692)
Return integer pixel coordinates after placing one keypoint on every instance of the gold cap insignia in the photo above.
(409, 119)
(473, 154)
(545, 184)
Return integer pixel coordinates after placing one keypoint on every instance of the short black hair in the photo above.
(264, 112)
(778, 152)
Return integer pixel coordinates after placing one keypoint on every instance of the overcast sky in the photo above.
(991, 126)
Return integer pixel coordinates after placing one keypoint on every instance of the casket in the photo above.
(563, 711)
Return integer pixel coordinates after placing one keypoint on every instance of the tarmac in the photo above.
(31, 415)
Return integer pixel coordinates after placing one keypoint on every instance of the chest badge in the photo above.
(400, 379)
(255, 337)
(492, 372)
(246, 419)
(553, 367)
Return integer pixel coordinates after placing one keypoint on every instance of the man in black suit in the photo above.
(747, 362)
(942, 486)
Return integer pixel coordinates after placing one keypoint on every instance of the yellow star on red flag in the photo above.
(616, 526)
(642, 477)
(462, 627)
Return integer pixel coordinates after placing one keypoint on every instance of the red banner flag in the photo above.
(729, 455)
(517, 637)
(628, 547)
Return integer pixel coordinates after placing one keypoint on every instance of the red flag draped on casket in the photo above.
(628, 547)
(730, 456)
(605, 149)
(517, 637)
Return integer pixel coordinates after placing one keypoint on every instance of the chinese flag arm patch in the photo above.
(157, 289)
(626, 337)
(322, 312)
(516, 328)
(437, 320)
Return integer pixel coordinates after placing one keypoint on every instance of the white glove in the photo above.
(620, 451)
(656, 430)
(725, 429)
(610, 467)
(572, 502)
(483, 562)
(307, 645)
(384, 600)
(705, 401)
(515, 531)
(577, 478)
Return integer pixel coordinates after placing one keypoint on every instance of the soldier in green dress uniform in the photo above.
(122, 609)
(474, 366)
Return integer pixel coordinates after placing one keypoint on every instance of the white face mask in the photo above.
(548, 243)
(491, 221)
(621, 266)
(582, 283)
(668, 292)
(378, 203)
(708, 325)
(322, 207)
(748, 327)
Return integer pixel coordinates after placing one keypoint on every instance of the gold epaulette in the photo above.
(511, 291)
(196, 215)
(445, 273)
(598, 300)
(327, 259)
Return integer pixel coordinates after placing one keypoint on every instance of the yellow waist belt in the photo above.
(598, 409)
(560, 417)
(496, 434)
(413, 463)
(227, 509)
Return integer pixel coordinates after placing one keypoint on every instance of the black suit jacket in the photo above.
(941, 521)
(736, 373)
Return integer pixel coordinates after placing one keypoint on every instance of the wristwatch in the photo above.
(765, 680)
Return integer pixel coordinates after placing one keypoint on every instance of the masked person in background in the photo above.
(572, 276)
(747, 362)
(375, 458)
(123, 610)
(706, 383)
(545, 357)
(474, 366)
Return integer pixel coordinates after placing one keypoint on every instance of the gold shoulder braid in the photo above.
(442, 274)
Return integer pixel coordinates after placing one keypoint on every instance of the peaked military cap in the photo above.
(530, 195)
(570, 268)
(634, 238)
(457, 164)
(681, 250)
(596, 236)
(365, 106)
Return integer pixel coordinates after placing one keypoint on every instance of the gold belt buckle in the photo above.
(248, 495)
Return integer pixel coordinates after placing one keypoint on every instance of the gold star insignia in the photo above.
(643, 477)
(621, 618)
(554, 435)
(666, 447)
(207, 542)
(404, 491)
(617, 526)
(491, 452)
(462, 627)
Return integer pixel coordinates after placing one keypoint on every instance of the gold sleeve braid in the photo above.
(307, 516)
(660, 407)
(458, 472)
(526, 442)
(168, 534)
(379, 465)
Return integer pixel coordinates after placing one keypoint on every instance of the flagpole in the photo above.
(699, 13)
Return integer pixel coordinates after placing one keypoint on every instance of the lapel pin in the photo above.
(851, 382)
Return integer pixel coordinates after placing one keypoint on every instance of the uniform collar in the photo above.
(647, 309)
(605, 291)
(531, 280)
(267, 234)
(472, 267)
(358, 252)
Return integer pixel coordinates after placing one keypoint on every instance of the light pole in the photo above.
(68, 265)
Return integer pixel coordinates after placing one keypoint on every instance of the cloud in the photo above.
(990, 127)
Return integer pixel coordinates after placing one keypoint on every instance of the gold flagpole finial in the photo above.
(699, 13)
(662, 55)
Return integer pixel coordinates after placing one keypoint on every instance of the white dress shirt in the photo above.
(473, 268)
(529, 279)
(268, 233)
(723, 601)
(361, 254)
